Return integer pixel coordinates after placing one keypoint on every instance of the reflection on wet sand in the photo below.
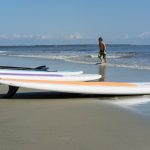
(102, 71)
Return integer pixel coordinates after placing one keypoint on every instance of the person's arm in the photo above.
(103, 46)
(99, 46)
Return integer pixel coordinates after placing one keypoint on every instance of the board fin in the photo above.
(11, 92)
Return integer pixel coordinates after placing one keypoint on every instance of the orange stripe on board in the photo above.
(118, 84)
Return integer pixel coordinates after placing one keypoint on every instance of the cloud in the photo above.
(144, 35)
(126, 36)
(129, 38)
(75, 36)
(24, 36)
(15, 36)
(3, 36)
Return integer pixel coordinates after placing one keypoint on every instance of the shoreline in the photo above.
(110, 73)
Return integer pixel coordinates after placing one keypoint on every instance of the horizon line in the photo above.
(25, 45)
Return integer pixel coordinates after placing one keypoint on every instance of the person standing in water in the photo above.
(102, 50)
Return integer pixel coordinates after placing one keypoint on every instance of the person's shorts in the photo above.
(102, 55)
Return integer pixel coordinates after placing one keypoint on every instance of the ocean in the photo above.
(128, 56)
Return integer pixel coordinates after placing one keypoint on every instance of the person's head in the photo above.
(100, 39)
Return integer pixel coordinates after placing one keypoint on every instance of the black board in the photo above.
(38, 68)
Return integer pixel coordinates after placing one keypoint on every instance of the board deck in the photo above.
(51, 77)
(100, 88)
(37, 72)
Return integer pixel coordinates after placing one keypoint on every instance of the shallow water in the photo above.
(138, 104)
(128, 56)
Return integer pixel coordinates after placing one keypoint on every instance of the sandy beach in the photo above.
(43, 120)
(69, 123)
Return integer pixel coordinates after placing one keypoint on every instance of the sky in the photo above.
(40, 22)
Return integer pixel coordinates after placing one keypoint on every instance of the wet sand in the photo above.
(55, 121)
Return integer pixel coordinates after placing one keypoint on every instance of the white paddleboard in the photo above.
(51, 77)
(101, 88)
(33, 72)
